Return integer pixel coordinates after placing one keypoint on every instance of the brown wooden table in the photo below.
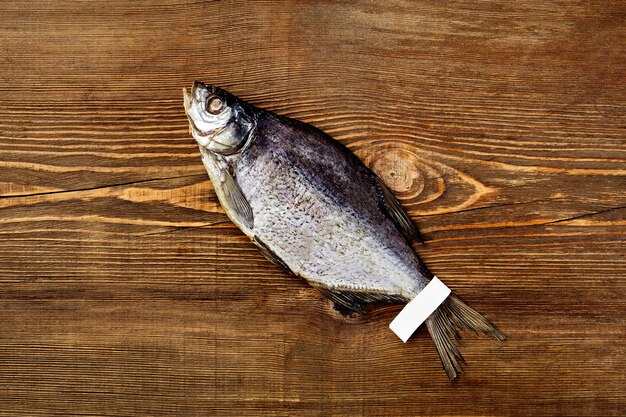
(125, 290)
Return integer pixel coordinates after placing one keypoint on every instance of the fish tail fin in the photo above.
(443, 325)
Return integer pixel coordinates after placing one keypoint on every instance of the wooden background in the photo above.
(125, 290)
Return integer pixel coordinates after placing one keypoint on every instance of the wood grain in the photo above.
(125, 290)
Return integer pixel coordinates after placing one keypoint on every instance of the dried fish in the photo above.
(313, 208)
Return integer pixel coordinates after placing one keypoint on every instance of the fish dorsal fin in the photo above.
(270, 255)
(398, 215)
(349, 301)
(237, 200)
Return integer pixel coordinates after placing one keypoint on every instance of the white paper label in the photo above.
(419, 309)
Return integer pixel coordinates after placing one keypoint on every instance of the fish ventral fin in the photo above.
(347, 301)
(398, 215)
(236, 200)
(270, 255)
(443, 325)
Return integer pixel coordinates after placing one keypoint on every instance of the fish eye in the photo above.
(214, 105)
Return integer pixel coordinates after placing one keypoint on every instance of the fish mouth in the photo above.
(188, 97)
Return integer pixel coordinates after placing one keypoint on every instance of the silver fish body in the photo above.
(321, 211)
(316, 210)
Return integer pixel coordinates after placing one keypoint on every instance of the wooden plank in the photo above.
(125, 290)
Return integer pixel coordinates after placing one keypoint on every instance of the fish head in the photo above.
(218, 121)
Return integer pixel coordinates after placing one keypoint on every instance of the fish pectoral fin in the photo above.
(398, 215)
(236, 200)
(270, 255)
(354, 301)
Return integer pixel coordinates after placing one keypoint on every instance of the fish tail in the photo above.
(443, 325)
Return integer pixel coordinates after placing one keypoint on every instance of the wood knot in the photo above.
(400, 170)
(420, 180)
